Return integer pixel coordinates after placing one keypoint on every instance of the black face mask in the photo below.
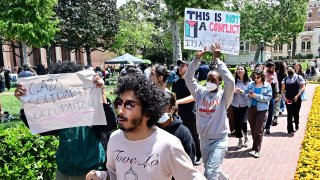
(290, 73)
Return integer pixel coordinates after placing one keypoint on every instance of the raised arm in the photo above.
(226, 75)
(191, 82)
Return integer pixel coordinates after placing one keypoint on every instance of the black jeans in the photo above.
(293, 111)
(270, 113)
(190, 123)
(240, 118)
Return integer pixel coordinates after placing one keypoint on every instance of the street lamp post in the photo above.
(289, 54)
(319, 52)
(261, 44)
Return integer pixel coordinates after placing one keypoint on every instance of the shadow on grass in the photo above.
(6, 125)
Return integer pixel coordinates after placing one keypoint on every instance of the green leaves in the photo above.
(271, 22)
(29, 21)
(26, 156)
(87, 24)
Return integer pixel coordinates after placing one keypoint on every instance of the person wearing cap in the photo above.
(186, 104)
(211, 106)
(27, 71)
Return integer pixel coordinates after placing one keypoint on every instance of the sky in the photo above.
(120, 2)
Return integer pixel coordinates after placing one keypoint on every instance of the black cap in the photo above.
(182, 62)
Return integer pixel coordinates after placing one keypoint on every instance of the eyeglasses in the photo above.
(257, 77)
(129, 104)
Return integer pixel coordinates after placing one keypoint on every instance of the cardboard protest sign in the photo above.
(204, 27)
(58, 101)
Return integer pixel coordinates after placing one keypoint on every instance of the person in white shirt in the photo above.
(139, 149)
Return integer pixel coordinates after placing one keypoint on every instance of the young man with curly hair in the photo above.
(139, 149)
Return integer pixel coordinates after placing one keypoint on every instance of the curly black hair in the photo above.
(150, 95)
(65, 67)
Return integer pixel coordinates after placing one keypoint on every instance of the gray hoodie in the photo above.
(211, 106)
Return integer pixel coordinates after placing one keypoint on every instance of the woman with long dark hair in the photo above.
(279, 106)
(260, 93)
(240, 105)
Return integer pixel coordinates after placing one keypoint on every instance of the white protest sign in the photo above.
(204, 27)
(58, 101)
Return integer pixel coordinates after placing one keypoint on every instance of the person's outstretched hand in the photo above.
(200, 53)
(216, 50)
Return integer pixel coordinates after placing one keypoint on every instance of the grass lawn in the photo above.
(10, 104)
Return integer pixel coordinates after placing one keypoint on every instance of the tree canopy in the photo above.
(30, 23)
(88, 24)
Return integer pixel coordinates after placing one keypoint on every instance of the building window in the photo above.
(309, 14)
(303, 45)
(309, 28)
(289, 46)
(241, 46)
(308, 45)
(280, 47)
(247, 46)
(275, 47)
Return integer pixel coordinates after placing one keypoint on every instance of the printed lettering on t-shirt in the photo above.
(150, 160)
(208, 107)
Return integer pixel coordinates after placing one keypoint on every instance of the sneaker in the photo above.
(267, 131)
(246, 140)
(297, 127)
(198, 162)
(275, 121)
(290, 133)
(256, 154)
(240, 143)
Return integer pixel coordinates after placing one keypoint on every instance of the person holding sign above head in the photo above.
(139, 149)
(81, 149)
(211, 107)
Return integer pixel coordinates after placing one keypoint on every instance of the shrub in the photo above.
(309, 160)
(26, 156)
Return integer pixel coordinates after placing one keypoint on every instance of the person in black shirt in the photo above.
(292, 87)
(203, 71)
(185, 104)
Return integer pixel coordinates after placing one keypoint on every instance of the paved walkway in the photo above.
(279, 152)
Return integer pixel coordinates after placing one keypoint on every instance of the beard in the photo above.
(134, 123)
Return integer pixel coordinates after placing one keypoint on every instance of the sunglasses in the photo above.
(257, 77)
(129, 104)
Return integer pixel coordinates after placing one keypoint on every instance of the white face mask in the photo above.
(211, 86)
(164, 118)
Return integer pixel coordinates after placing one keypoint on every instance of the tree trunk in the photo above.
(294, 46)
(177, 52)
(24, 53)
(257, 55)
(88, 53)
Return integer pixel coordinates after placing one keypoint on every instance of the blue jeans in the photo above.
(213, 152)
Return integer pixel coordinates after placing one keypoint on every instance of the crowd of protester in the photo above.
(169, 122)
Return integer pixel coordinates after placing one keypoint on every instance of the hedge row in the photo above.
(309, 160)
(26, 156)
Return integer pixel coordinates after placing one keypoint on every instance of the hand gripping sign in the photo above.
(58, 101)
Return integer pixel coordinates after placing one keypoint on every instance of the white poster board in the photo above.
(58, 101)
(204, 27)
